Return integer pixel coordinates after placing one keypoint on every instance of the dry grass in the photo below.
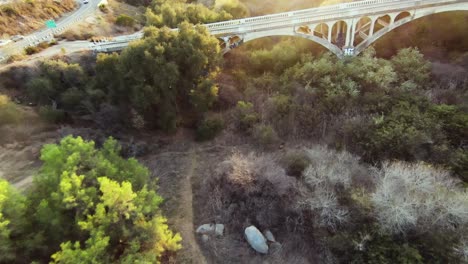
(20, 145)
(237, 187)
(22, 17)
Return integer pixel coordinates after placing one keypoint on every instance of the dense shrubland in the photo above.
(380, 109)
(86, 205)
(399, 213)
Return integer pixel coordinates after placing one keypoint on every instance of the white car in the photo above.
(85, 1)
(3, 42)
(16, 38)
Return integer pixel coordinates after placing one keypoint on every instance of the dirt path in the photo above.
(184, 219)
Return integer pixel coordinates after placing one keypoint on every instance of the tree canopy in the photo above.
(171, 13)
(86, 205)
(163, 74)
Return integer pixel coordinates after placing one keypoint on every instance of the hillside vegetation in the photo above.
(86, 205)
(24, 16)
(355, 160)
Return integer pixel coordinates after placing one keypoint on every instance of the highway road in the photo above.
(44, 34)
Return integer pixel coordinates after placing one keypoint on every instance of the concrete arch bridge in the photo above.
(345, 29)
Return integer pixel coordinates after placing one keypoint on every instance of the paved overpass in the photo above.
(44, 34)
(344, 29)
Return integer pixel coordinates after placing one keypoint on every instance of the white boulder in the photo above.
(206, 229)
(269, 236)
(219, 229)
(256, 240)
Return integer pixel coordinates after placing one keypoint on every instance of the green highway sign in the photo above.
(50, 24)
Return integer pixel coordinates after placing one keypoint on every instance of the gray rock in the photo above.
(275, 247)
(256, 240)
(219, 229)
(269, 236)
(206, 229)
(205, 238)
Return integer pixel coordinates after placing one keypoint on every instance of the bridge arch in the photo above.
(402, 15)
(304, 29)
(339, 33)
(382, 22)
(363, 29)
(322, 31)
(404, 20)
(292, 33)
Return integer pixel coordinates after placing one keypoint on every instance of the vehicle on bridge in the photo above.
(17, 38)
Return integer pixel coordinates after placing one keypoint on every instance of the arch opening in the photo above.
(381, 22)
(319, 41)
(304, 29)
(339, 31)
(222, 43)
(363, 30)
(321, 31)
(234, 42)
(402, 15)
(234, 39)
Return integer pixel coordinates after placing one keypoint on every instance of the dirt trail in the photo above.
(184, 219)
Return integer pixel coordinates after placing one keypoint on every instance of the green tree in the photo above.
(411, 67)
(234, 7)
(12, 214)
(209, 127)
(59, 84)
(90, 205)
(371, 72)
(164, 74)
(125, 20)
(171, 13)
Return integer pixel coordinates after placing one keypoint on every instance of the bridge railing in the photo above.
(314, 14)
(293, 14)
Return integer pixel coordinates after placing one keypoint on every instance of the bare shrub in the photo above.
(418, 197)
(330, 169)
(240, 169)
(329, 174)
(255, 190)
(462, 250)
(329, 212)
